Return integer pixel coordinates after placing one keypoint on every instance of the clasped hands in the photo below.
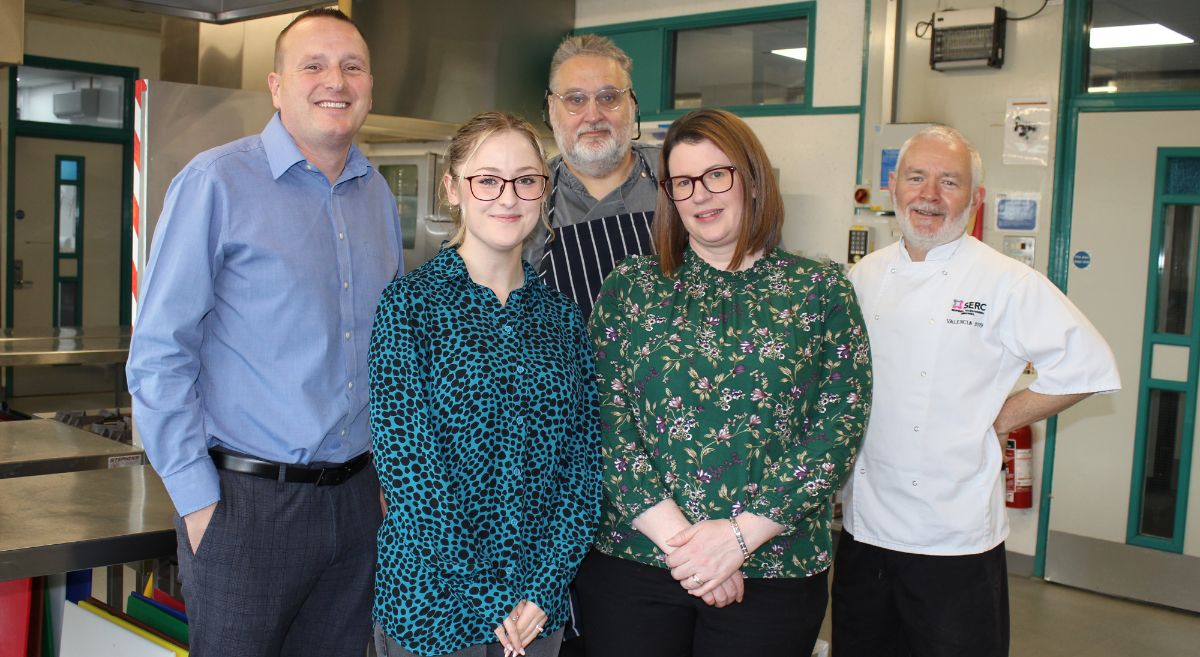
(522, 625)
(706, 560)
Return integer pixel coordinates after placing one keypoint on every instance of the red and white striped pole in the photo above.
(139, 190)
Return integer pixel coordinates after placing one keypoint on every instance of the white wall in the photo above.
(816, 154)
(88, 42)
(974, 100)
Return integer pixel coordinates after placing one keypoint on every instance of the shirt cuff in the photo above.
(194, 487)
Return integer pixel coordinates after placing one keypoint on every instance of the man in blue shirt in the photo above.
(248, 366)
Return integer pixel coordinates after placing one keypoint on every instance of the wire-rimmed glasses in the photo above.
(716, 180)
(577, 101)
(488, 187)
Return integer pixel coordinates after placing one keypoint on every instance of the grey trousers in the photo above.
(283, 569)
(545, 646)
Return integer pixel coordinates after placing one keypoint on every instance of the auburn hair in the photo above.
(762, 204)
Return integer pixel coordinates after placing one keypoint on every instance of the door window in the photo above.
(1167, 399)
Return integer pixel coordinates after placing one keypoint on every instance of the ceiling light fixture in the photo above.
(794, 53)
(1132, 36)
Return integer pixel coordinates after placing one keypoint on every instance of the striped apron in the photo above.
(581, 255)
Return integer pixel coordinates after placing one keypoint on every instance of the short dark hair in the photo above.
(316, 12)
(762, 203)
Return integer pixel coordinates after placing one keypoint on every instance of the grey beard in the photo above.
(596, 164)
(946, 234)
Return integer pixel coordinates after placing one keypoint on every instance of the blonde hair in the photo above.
(466, 143)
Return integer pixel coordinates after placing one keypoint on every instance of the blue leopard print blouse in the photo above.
(486, 437)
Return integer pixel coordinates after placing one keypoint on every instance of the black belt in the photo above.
(327, 476)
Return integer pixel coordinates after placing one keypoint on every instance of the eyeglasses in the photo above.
(716, 180)
(486, 187)
(606, 99)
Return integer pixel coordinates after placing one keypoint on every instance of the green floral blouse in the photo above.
(730, 392)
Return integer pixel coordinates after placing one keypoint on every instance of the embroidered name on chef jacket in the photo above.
(966, 310)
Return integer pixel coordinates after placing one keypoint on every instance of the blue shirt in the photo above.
(255, 311)
(487, 443)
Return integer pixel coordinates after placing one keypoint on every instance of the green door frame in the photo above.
(122, 136)
(1148, 384)
(1073, 100)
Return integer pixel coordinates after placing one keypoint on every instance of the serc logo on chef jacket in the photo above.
(966, 310)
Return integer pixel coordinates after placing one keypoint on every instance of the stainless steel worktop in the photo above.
(36, 447)
(69, 521)
(22, 333)
(64, 350)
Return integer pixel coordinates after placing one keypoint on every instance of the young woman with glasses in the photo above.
(734, 382)
(484, 421)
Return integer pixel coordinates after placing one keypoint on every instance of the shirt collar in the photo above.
(942, 252)
(450, 265)
(640, 168)
(283, 153)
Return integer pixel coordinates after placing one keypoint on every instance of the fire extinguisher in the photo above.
(1018, 462)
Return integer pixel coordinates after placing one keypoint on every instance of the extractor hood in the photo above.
(209, 11)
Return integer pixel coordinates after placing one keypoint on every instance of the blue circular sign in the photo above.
(20, 214)
(1082, 259)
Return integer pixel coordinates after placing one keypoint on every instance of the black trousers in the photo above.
(284, 569)
(896, 604)
(629, 609)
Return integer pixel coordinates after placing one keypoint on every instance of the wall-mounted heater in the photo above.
(967, 38)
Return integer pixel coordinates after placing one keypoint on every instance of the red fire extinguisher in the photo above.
(1018, 461)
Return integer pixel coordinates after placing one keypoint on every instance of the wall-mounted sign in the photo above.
(1027, 131)
(1017, 211)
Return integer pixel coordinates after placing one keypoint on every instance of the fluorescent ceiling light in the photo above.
(1109, 88)
(1130, 36)
(794, 53)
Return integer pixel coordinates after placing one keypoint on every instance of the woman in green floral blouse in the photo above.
(734, 384)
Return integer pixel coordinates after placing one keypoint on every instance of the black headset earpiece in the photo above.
(546, 110)
(637, 114)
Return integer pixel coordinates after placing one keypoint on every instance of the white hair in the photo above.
(948, 135)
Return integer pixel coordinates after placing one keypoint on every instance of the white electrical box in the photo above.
(967, 38)
(1019, 247)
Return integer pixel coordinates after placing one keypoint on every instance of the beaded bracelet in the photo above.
(741, 540)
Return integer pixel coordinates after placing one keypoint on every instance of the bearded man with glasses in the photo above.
(603, 185)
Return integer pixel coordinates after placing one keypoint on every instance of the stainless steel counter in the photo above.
(36, 447)
(63, 332)
(87, 345)
(60, 522)
(83, 350)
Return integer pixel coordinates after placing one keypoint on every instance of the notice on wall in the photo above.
(1027, 131)
(1017, 211)
(887, 164)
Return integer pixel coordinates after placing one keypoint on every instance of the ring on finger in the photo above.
(696, 579)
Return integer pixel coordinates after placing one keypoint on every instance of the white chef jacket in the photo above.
(949, 337)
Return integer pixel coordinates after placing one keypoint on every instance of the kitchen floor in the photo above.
(1049, 620)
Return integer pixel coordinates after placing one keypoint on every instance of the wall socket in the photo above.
(1019, 247)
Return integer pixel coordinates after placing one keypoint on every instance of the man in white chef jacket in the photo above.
(920, 564)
